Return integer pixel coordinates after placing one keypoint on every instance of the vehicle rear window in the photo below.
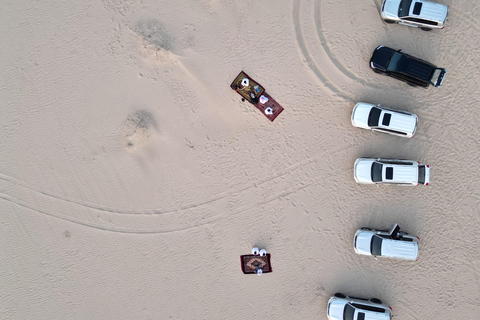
(348, 312)
(376, 172)
(376, 246)
(421, 174)
(374, 117)
(386, 119)
(389, 173)
(417, 8)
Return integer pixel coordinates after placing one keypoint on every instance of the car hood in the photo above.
(336, 308)
(400, 249)
(362, 244)
(360, 114)
(390, 8)
(381, 56)
(362, 170)
(432, 10)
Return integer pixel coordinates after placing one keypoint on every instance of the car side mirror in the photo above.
(399, 50)
(377, 185)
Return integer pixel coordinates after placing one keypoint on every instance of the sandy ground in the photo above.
(132, 177)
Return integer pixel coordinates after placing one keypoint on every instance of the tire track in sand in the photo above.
(300, 36)
(103, 213)
(156, 211)
(98, 225)
(324, 42)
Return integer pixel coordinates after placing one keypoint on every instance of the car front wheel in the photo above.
(389, 21)
(340, 295)
(375, 300)
(426, 29)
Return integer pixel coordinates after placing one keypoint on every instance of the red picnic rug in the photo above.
(250, 263)
(254, 93)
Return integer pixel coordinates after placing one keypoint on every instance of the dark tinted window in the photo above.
(417, 8)
(404, 7)
(374, 117)
(348, 312)
(369, 308)
(395, 62)
(361, 316)
(389, 173)
(386, 119)
(376, 172)
(376, 246)
(421, 174)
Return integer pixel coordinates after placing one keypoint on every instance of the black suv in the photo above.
(402, 66)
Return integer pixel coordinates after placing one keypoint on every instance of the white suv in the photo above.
(390, 171)
(392, 243)
(381, 119)
(414, 13)
(341, 307)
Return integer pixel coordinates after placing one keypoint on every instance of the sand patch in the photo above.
(137, 130)
(155, 33)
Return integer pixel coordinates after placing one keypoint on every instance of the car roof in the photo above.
(400, 249)
(429, 10)
(401, 173)
(337, 306)
(371, 315)
(370, 310)
(416, 68)
(398, 121)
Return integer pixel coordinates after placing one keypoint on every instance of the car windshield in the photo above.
(421, 174)
(376, 172)
(374, 117)
(394, 63)
(348, 312)
(376, 246)
(404, 8)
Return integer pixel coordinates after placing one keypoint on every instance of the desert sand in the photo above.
(132, 177)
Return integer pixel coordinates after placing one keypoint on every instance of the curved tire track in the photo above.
(200, 220)
(324, 42)
(96, 225)
(308, 57)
